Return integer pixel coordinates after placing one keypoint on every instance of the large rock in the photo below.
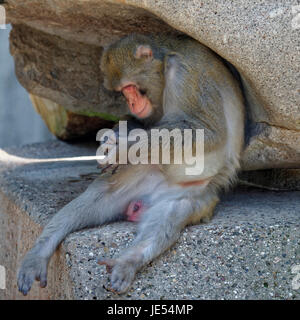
(57, 47)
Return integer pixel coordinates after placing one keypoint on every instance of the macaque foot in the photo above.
(122, 274)
(32, 268)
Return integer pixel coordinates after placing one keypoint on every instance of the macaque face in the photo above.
(132, 69)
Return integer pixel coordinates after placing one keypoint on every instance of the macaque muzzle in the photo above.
(138, 103)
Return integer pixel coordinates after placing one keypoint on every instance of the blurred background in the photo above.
(19, 123)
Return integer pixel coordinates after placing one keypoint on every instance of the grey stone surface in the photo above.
(246, 251)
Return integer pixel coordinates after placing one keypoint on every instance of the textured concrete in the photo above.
(246, 251)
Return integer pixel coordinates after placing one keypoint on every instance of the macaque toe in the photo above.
(122, 274)
(25, 281)
(122, 277)
(43, 282)
(33, 268)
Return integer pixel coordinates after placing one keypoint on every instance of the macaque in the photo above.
(169, 82)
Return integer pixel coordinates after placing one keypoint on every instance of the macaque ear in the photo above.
(143, 51)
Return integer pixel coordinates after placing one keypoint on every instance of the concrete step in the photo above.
(247, 251)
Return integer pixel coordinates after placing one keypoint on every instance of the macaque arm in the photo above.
(212, 140)
(192, 101)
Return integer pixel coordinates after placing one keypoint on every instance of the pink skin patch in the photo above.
(135, 210)
(138, 104)
(195, 183)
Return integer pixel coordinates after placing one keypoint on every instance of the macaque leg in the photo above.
(97, 205)
(82, 212)
(159, 228)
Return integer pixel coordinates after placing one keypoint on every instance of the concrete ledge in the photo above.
(246, 252)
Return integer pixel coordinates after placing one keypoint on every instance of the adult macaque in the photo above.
(169, 82)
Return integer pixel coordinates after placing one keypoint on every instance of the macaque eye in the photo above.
(143, 51)
(142, 92)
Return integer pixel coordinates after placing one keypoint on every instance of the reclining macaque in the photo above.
(169, 82)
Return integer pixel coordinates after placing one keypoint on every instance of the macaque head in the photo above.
(134, 66)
